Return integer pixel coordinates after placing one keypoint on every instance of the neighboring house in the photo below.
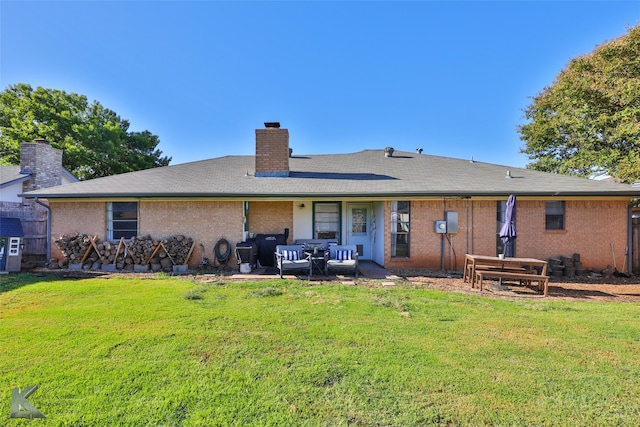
(390, 204)
(40, 167)
(11, 179)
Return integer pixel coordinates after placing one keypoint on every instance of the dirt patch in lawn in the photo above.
(585, 288)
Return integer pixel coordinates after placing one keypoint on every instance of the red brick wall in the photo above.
(271, 217)
(591, 228)
(81, 217)
(272, 151)
(205, 222)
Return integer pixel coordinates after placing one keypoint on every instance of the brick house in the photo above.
(390, 204)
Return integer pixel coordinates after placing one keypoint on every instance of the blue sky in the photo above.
(450, 77)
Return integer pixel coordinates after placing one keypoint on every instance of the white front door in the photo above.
(359, 228)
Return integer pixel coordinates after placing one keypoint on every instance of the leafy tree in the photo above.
(587, 123)
(95, 141)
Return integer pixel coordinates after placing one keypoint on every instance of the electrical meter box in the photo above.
(452, 222)
(441, 227)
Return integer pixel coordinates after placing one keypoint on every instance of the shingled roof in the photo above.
(366, 174)
(10, 175)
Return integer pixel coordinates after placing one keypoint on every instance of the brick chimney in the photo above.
(272, 151)
(43, 161)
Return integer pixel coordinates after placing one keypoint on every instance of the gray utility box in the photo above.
(452, 222)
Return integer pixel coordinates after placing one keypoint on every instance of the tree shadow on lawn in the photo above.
(557, 291)
(592, 294)
(578, 293)
(570, 291)
(11, 281)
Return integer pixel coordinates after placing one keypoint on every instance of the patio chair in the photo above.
(291, 258)
(342, 258)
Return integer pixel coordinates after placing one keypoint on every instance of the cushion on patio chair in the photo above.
(291, 258)
(290, 255)
(343, 258)
(343, 255)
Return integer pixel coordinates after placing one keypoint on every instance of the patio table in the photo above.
(318, 261)
(473, 262)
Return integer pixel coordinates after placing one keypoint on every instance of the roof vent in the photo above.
(508, 175)
(472, 161)
(419, 150)
(275, 125)
(388, 152)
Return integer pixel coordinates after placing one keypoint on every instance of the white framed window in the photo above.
(122, 220)
(14, 246)
(327, 220)
(400, 220)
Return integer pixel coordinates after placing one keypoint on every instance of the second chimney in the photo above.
(272, 151)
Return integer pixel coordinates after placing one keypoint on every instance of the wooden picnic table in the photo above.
(478, 266)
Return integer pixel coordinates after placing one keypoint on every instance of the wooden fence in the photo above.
(34, 225)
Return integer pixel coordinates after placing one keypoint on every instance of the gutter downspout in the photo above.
(48, 227)
(629, 252)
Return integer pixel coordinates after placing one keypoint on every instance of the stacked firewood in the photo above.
(107, 251)
(141, 248)
(73, 246)
(178, 248)
(174, 250)
(94, 254)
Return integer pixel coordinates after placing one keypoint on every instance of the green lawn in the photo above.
(172, 352)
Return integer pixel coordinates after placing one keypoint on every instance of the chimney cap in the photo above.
(41, 140)
(275, 125)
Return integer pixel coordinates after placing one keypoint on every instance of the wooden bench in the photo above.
(468, 275)
(527, 277)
